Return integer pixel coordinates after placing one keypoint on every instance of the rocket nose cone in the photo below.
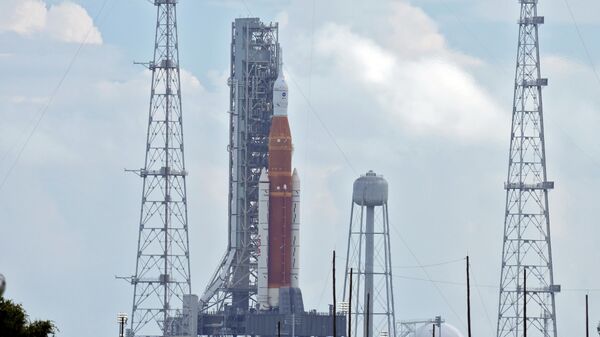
(295, 178)
(280, 83)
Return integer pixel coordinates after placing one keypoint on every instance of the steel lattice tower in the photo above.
(254, 68)
(369, 255)
(162, 275)
(527, 246)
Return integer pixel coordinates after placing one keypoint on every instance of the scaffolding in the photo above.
(254, 68)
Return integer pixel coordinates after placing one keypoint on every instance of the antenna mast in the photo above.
(527, 223)
(162, 275)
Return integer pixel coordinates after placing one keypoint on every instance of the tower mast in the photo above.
(162, 275)
(527, 223)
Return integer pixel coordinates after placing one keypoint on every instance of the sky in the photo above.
(419, 91)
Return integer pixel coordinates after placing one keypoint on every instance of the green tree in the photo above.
(14, 322)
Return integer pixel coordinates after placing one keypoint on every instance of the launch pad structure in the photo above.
(255, 289)
(254, 63)
(230, 304)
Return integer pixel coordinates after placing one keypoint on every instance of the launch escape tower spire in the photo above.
(254, 68)
(369, 254)
(162, 276)
(527, 224)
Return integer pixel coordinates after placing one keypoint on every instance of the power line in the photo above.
(313, 110)
(483, 304)
(485, 50)
(448, 282)
(585, 48)
(247, 8)
(487, 286)
(325, 285)
(583, 290)
(470, 32)
(431, 265)
(310, 71)
(324, 126)
(459, 317)
(53, 94)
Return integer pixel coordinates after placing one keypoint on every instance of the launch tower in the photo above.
(254, 69)
(527, 246)
(162, 275)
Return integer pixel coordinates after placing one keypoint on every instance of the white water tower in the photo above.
(370, 259)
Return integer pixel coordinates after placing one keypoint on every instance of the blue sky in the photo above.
(419, 91)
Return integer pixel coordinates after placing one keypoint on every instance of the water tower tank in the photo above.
(370, 190)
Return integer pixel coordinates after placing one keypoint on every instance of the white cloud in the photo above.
(416, 35)
(419, 36)
(66, 22)
(69, 22)
(562, 66)
(189, 81)
(22, 16)
(421, 86)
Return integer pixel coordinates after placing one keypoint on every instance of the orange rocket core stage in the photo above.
(280, 203)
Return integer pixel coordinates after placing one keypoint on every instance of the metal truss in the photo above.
(373, 221)
(409, 328)
(254, 66)
(527, 224)
(162, 275)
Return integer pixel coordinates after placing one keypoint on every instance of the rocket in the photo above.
(279, 215)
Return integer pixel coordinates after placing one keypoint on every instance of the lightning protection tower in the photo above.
(370, 257)
(527, 224)
(162, 275)
(254, 68)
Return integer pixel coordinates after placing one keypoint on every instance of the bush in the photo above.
(14, 322)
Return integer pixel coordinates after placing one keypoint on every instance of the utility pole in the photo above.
(350, 305)
(334, 314)
(468, 299)
(587, 317)
(367, 316)
(122, 320)
(525, 303)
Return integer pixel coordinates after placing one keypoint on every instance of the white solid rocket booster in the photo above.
(263, 236)
(295, 229)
